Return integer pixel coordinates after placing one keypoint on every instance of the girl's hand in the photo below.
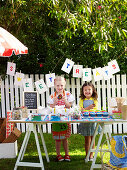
(90, 107)
(55, 102)
(67, 104)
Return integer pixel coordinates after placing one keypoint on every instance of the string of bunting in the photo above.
(78, 71)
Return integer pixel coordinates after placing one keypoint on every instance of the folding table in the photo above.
(102, 122)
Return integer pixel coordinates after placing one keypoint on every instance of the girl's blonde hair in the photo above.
(59, 78)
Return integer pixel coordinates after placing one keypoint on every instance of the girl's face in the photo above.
(88, 91)
(59, 86)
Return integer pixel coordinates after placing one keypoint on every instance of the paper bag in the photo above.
(124, 112)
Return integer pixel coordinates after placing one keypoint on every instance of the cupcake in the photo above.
(99, 113)
(85, 114)
(105, 114)
(92, 114)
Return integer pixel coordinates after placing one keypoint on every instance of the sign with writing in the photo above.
(11, 68)
(30, 100)
(87, 74)
(107, 73)
(97, 73)
(114, 66)
(28, 85)
(77, 71)
(19, 79)
(67, 66)
(50, 79)
(41, 86)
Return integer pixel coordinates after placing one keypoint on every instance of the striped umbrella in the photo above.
(10, 44)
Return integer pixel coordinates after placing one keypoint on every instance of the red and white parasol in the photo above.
(10, 44)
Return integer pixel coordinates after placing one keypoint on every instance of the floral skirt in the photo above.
(61, 131)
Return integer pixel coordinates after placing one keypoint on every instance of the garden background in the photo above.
(89, 32)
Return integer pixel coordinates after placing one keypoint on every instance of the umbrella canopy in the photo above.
(10, 44)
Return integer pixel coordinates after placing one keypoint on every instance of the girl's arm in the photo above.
(81, 104)
(96, 105)
(55, 101)
(67, 103)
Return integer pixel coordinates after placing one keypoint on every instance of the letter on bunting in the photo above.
(67, 66)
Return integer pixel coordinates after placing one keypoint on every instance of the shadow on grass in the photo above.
(77, 163)
(76, 148)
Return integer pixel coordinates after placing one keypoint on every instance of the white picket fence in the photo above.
(11, 96)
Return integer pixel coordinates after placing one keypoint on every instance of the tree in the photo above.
(88, 31)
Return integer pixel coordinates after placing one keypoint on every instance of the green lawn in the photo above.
(77, 153)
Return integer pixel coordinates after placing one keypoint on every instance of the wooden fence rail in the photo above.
(11, 96)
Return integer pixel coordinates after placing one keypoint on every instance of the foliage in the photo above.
(88, 31)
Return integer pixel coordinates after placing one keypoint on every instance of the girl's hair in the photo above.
(94, 95)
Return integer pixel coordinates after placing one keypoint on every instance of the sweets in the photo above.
(98, 113)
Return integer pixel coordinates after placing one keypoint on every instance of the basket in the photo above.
(117, 103)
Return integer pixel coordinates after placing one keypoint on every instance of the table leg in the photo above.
(22, 149)
(43, 142)
(38, 146)
(87, 157)
(97, 149)
(25, 146)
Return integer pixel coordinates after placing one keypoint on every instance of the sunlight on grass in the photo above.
(76, 151)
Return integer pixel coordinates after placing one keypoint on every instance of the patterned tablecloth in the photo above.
(68, 118)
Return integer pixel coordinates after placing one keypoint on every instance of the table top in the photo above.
(55, 119)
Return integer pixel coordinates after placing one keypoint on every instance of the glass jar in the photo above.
(24, 112)
(17, 114)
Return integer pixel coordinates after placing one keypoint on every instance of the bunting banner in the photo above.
(11, 68)
(67, 66)
(107, 73)
(50, 79)
(77, 71)
(28, 85)
(97, 73)
(87, 74)
(41, 86)
(113, 66)
(19, 79)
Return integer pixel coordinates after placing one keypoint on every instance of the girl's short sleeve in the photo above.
(96, 105)
(80, 103)
(70, 97)
(50, 100)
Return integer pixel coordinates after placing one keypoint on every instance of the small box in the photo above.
(124, 112)
(2, 129)
(13, 136)
(116, 114)
(8, 150)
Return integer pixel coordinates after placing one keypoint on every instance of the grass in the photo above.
(76, 148)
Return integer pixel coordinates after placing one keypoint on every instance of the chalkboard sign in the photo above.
(30, 100)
